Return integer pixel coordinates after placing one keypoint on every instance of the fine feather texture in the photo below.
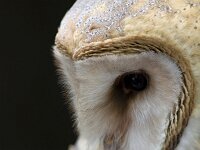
(191, 136)
(107, 120)
(98, 20)
(140, 124)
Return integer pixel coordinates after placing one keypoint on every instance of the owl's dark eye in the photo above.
(134, 81)
(137, 81)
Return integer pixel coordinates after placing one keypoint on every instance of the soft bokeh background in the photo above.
(32, 110)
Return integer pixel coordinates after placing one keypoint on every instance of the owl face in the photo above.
(132, 73)
(107, 106)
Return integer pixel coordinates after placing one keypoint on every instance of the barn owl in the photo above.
(132, 70)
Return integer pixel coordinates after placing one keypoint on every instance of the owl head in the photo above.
(132, 69)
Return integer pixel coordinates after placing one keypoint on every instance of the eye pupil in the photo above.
(136, 81)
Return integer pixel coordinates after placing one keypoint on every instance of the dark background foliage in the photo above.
(32, 107)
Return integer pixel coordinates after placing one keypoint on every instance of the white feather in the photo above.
(91, 82)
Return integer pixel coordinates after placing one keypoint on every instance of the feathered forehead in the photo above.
(90, 21)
